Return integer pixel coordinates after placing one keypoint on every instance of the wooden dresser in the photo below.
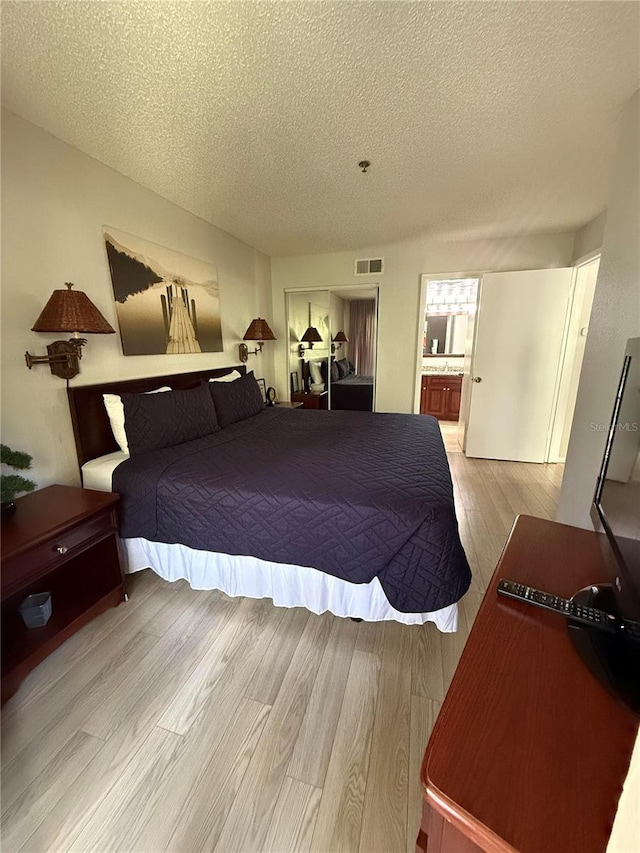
(62, 540)
(529, 752)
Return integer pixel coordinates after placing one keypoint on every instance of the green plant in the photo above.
(14, 484)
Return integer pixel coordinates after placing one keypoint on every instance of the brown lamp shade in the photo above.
(341, 338)
(311, 336)
(71, 311)
(259, 331)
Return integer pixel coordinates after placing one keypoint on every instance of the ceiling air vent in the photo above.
(369, 266)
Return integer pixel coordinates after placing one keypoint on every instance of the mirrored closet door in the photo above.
(333, 347)
(309, 347)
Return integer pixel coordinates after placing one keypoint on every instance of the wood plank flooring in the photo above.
(188, 720)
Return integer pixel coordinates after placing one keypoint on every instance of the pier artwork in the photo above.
(167, 303)
(180, 319)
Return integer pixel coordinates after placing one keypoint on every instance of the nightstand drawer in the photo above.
(311, 400)
(18, 571)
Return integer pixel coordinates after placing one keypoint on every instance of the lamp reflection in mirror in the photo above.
(67, 311)
(311, 337)
(259, 332)
(339, 339)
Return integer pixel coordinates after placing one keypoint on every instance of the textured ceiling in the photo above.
(480, 119)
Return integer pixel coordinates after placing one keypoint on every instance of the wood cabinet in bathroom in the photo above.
(440, 396)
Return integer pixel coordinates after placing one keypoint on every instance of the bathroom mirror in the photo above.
(444, 334)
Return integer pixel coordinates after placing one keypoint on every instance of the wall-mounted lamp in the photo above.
(258, 331)
(67, 311)
(339, 339)
(311, 337)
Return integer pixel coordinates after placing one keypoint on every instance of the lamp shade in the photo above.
(341, 338)
(311, 336)
(71, 311)
(259, 331)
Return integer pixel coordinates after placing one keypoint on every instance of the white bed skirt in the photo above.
(286, 585)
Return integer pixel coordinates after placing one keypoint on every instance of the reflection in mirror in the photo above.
(354, 316)
(332, 347)
(309, 347)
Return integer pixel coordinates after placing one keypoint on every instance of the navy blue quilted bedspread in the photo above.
(353, 494)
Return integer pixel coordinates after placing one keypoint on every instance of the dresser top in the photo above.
(48, 512)
(529, 751)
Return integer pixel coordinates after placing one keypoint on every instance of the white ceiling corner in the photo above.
(480, 119)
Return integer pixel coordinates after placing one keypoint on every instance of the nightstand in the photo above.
(62, 540)
(311, 400)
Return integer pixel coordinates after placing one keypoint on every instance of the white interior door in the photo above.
(519, 335)
(465, 396)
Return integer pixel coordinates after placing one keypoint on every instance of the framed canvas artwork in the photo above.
(166, 302)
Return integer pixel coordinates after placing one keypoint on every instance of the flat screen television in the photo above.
(616, 516)
(616, 503)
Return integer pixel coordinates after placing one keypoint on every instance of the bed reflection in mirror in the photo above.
(333, 347)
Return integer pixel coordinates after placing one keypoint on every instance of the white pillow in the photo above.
(115, 410)
(228, 377)
(316, 375)
(317, 387)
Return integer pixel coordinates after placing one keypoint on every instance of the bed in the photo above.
(344, 511)
(349, 391)
(353, 393)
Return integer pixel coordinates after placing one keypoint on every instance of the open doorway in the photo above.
(520, 363)
(447, 315)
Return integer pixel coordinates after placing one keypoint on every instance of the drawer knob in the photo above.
(62, 549)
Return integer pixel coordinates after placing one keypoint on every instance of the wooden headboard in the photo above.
(91, 427)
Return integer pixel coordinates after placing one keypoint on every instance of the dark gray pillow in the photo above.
(235, 401)
(343, 367)
(152, 423)
(351, 367)
(335, 373)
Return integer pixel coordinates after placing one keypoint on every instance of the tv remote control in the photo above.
(564, 606)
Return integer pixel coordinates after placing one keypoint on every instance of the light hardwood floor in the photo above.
(191, 721)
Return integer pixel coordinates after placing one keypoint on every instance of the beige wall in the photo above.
(55, 201)
(589, 238)
(399, 322)
(615, 316)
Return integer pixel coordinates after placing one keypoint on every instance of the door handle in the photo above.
(477, 378)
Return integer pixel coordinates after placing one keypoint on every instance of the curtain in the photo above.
(362, 335)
